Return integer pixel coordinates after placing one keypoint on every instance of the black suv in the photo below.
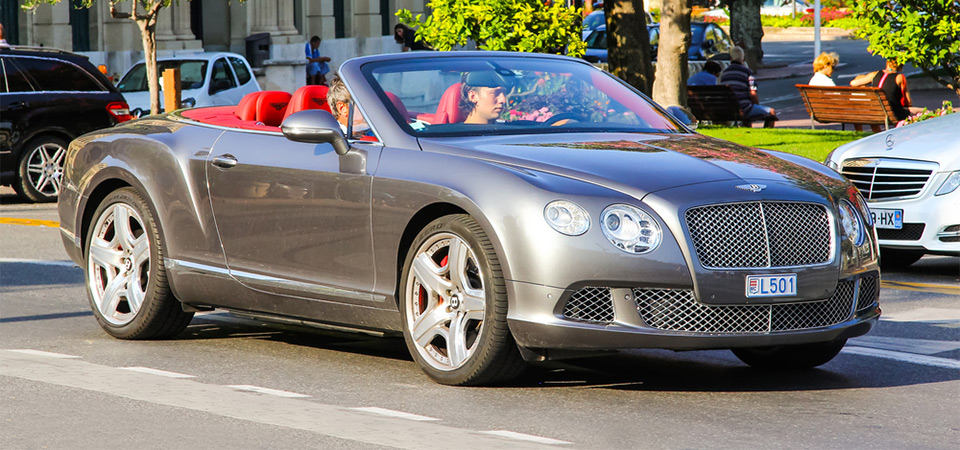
(47, 98)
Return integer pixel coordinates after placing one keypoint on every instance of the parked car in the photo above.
(47, 98)
(707, 41)
(560, 213)
(769, 8)
(206, 79)
(909, 177)
(597, 18)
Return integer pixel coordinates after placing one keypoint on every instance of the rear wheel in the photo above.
(126, 280)
(454, 306)
(40, 169)
(802, 356)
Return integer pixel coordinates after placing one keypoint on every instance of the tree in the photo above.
(628, 43)
(516, 25)
(746, 29)
(924, 33)
(670, 84)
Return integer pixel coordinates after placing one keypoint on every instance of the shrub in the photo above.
(947, 108)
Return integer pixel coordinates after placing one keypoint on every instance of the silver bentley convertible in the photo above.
(491, 208)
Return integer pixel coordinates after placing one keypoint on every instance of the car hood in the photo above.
(931, 140)
(638, 164)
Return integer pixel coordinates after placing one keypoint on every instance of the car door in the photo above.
(294, 218)
(223, 84)
(20, 112)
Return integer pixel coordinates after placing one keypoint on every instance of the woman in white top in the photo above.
(823, 68)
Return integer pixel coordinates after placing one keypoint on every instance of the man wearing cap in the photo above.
(482, 97)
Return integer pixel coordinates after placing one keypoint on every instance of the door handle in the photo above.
(17, 106)
(227, 161)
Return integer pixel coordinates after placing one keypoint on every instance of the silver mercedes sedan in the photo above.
(492, 208)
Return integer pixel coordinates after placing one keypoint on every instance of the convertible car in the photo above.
(492, 208)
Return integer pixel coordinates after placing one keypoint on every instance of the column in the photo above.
(285, 17)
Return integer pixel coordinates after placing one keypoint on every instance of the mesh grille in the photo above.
(868, 293)
(591, 304)
(909, 232)
(756, 234)
(677, 310)
(879, 183)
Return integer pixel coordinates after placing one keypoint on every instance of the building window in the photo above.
(80, 23)
(339, 19)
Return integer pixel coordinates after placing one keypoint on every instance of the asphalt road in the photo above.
(230, 382)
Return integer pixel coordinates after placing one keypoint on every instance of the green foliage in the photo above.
(924, 33)
(514, 25)
(947, 108)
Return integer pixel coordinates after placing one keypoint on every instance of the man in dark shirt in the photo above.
(740, 79)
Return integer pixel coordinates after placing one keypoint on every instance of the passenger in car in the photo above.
(338, 97)
(482, 97)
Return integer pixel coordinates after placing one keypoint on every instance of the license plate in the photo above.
(887, 218)
(772, 285)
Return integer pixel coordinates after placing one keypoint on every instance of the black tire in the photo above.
(40, 169)
(126, 282)
(892, 258)
(793, 357)
(489, 354)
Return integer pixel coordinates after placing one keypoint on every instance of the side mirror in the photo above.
(315, 126)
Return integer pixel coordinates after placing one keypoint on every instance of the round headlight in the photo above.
(567, 217)
(864, 208)
(850, 224)
(630, 229)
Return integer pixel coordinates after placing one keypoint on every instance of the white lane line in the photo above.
(267, 391)
(923, 315)
(39, 262)
(397, 414)
(526, 437)
(43, 353)
(162, 373)
(919, 346)
(903, 357)
(288, 413)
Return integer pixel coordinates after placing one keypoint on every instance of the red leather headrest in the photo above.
(308, 97)
(397, 103)
(247, 108)
(271, 105)
(448, 111)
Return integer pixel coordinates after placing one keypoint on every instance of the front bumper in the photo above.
(930, 223)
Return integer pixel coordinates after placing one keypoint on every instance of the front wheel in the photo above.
(126, 280)
(454, 305)
(804, 356)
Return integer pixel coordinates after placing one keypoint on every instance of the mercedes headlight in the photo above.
(950, 184)
(630, 229)
(851, 226)
(566, 217)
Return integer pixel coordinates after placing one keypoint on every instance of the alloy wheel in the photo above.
(118, 266)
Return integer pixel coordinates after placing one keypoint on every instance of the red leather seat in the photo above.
(247, 108)
(271, 106)
(448, 111)
(397, 103)
(308, 97)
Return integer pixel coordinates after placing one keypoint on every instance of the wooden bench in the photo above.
(847, 104)
(714, 103)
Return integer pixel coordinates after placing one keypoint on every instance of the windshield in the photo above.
(593, 20)
(509, 95)
(192, 75)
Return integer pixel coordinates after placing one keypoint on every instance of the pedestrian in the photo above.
(406, 37)
(823, 67)
(741, 81)
(707, 76)
(317, 67)
(895, 88)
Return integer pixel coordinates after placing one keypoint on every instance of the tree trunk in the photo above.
(148, 34)
(746, 29)
(670, 84)
(628, 43)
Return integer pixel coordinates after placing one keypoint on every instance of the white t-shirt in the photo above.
(820, 79)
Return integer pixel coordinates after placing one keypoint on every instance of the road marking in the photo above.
(162, 373)
(525, 437)
(291, 413)
(44, 354)
(267, 391)
(29, 222)
(902, 357)
(923, 315)
(919, 346)
(921, 287)
(38, 261)
(397, 414)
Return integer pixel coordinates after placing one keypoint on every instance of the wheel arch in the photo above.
(424, 216)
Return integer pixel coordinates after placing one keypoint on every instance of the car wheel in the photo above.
(891, 258)
(454, 305)
(803, 356)
(126, 280)
(40, 169)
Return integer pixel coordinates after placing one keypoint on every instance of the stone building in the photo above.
(348, 28)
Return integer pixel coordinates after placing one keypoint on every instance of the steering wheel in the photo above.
(564, 116)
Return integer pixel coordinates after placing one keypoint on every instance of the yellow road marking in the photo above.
(921, 287)
(30, 222)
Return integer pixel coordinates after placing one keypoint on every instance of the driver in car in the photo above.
(482, 97)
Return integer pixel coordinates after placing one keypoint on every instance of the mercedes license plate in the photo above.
(784, 285)
(887, 218)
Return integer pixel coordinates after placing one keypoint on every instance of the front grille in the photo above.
(760, 234)
(909, 232)
(677, 310)
(869, 290)
(591, 304)
(882, 179)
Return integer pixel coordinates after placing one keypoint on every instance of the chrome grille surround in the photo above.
(761, 234)
(678, 310)
(590, 304)
(882, 179)
(869, 292)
